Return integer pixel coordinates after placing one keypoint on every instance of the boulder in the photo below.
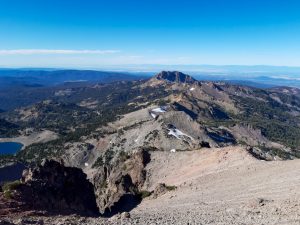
(161, 189)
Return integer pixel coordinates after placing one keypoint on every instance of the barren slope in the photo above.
(214, 186)
(223, 187)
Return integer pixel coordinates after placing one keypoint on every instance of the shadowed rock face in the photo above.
(175, 76)
(52, 188)
(118, 185)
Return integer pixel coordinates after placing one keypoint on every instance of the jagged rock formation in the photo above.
(117, 185)
(52, 188)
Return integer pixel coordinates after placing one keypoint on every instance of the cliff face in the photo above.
(52, 188)
(117, 185)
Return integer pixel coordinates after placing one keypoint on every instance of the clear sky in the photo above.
(93, 33)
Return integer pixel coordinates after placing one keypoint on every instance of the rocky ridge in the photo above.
(49, 188)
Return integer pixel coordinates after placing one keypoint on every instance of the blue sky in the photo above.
(95, 33)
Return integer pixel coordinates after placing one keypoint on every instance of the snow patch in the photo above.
(153, 115)
(158, 110)
(191, 89)
(178, 134)
(86, 164)
(173, 150)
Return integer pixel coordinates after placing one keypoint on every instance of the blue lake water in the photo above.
(10, 148)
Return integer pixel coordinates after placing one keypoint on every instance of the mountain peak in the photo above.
(175, 76)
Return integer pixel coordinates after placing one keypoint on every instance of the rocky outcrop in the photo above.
(52, 188)
(175, 76)
(161, 189)
(117, 185)
(77, 154)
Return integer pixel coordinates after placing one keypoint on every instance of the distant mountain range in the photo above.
(22, 87)
(204, 113)
(255, 76)
(37, 78)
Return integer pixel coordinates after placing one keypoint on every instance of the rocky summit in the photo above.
(175, 76)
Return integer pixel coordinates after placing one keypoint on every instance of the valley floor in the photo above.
(214, 186)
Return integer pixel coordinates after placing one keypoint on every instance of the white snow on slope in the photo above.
(153, 115)
(158, 110)
(178, 134)
(191, 89)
